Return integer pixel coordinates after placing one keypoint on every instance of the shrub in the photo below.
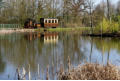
(103, 26)
(114, 27)
(107, 27)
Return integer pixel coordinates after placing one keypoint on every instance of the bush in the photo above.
(114, 27)
(107, 27)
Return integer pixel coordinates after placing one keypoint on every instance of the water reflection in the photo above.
(50, 37)
(47, 37)
(2, 65)
(106, 46)
(38, 50)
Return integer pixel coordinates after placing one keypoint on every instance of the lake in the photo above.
(37, 51)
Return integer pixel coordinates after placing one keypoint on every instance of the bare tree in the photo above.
(108, 7)
(91, 6)
(77, 6)
(118, 8)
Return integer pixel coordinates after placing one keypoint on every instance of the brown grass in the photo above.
(90, 71)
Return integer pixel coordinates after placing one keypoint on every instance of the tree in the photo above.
(90, 6)
(65, 9)
(76, 7)
(108, 7)
(98, 13)
(118, 8)
(40, 10)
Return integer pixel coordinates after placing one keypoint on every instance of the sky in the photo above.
(112, 1)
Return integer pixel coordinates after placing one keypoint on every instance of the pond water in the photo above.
(37, 51)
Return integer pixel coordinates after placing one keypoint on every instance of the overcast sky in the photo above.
(112, 1)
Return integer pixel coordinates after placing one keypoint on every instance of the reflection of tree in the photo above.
(2, 64)
(105, 44)
(20, 51)
(91, 49)
(72, 47)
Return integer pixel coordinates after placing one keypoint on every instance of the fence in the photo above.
(10, 26)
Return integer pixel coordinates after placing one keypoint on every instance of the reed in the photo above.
(38, 71)
(42, 73)
(23, 74)
(92, 71)
(18, 73)
(47, 73)
(29, 74)
(53, 70)
(69, 63)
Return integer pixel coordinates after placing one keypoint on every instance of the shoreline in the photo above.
(23, 30)
(9, 31)
(84, 31)
(104, 35)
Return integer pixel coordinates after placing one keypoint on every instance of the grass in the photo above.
(56, 29)
(68, 29)
(78, 29)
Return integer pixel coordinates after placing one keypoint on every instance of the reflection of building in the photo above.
(50, 37)
(47, 37)
(32, 36)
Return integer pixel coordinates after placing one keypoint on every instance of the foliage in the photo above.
(116, 18)
(75, 13)
(105, 26)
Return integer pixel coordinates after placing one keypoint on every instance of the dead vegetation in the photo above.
(91, 71)
(86, 71)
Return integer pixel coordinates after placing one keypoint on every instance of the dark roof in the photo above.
(50, 18)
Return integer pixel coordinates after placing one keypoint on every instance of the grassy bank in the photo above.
(78, 29)
(69, 29)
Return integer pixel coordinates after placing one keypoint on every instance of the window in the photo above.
(55, 21)
(45, 21)
(49, 21)
(52, 21)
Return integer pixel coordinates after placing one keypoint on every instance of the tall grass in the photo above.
(91, 71)
(86, 71)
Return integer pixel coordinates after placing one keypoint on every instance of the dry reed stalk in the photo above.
(23, 74)
(61, 72)
(53, 70)
(42, 74)
(29, 74)
(47, 74)
(38, 71)
(69, 63)
(61, 68)
(18, 73)
(90, 71)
